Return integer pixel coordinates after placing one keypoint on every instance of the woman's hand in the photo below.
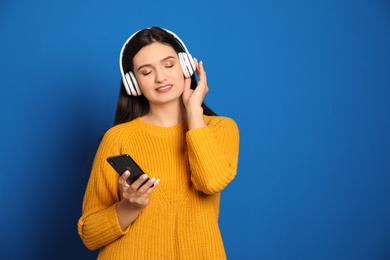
(136, 195)
(135, 198)
(193, 99)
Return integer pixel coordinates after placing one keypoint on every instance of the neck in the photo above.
(166, 115)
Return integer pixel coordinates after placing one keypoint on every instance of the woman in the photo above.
(174, 138)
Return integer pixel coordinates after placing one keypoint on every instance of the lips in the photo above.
(163, 89)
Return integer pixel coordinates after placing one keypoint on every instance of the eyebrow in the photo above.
(146, 65)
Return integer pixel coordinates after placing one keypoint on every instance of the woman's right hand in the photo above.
(137, 196)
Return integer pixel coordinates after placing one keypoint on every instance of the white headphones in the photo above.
(129, 80)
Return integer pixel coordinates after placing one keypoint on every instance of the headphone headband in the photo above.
(128, 79)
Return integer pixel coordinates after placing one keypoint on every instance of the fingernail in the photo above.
(158, 180)
(144, 177)
(127, 172)
(152, 180)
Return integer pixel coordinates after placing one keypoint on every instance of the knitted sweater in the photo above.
(181, 219)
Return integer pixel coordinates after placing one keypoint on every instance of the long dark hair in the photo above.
(132, 107)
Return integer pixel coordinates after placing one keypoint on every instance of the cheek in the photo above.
(146, 88)
(180, 82)
(144, 83)
(179, 76)
(179, 71)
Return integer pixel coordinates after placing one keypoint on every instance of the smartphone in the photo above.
(124, 162)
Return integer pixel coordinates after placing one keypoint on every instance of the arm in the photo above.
(213, 155)
(212, 151)
(98, 225)
(105, 217)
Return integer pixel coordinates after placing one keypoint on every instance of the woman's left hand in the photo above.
(193, 99)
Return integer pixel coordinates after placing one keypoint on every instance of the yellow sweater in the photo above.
(181, 219)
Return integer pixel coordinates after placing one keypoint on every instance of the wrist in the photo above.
(195, 118)
(128, 206)
(126, 213)
(194, 112)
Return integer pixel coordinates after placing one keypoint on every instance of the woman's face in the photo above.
(159, 74)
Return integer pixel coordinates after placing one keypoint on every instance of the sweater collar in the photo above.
(160, 130)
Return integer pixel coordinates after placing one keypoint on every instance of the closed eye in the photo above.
(169, 63)
(146, 72)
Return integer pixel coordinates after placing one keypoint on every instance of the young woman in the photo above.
(189, 154)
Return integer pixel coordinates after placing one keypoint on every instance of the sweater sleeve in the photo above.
(98, 225)
(213, 155)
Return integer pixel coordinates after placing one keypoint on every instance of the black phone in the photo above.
(124, 162)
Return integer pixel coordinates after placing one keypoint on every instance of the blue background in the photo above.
(307, 82)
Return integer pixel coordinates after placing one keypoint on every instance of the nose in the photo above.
(160, 76)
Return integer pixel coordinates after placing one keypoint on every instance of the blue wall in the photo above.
(307, 82)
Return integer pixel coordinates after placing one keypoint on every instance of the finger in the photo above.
(135, 185)
(202, 83)
(148, 189)
(204, 77)
(198, 68)
(196, 63)
(148, 185)
(202, 72)
(122, 179)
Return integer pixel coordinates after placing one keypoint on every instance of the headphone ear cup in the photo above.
(135, 84)
(126, 84)
(191, 63)
(130, 86)
(187, 64)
